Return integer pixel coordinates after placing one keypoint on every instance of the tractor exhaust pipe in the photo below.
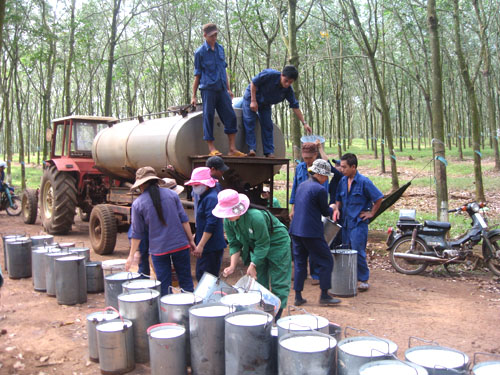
(425, 258)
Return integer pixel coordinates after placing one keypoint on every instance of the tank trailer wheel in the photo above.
(17, 209)
(30, 206)
(406, 266)
(102, 229)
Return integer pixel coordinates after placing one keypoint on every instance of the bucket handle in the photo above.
(432, 342)
(369, 334)
(395, 357)
(78, 242)
(296, 308)
(439, 367)
(307, 328)
(119, 315)
(486, 354)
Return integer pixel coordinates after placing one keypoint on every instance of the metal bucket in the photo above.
(206, 331)
(392, 367)
(19, 258)
(306, 353)
(113, 286)
(50, 274)
(115, 342)
(4, 242)
(38, 269)
(81, 251)
(66, 245)
(304, 322)
(354, 352)
(330, 229)
(212, 289)
(486, 368)
(41, 240)
(112, 266)
(438, 360)
(71, 280)
(335, 331)
(248, 283)
(95, 280)
(92, 320)
(344, 273)
(142, 309)
(133, 286)
(167, 348)
(248, 343)
(243, 301)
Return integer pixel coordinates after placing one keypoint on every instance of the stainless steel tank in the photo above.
(119, 150)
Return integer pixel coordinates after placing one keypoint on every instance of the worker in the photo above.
(217, 169)
(266, 195)
(4, 186)
(260, 240)
(209, 237)
(212, 80)
(357, 201)
(160, 212)
(306, 229)
(267, 88)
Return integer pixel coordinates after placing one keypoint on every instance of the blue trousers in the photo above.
(266, 127)
(355, 239)
(182, 265)
(221, 101)
(317, 250)
(144, 261)
(209, 262)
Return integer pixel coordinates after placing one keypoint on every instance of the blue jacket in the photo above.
(211, 65)
(207, 222)
(310, 204)
(301, 175)
(270, 91)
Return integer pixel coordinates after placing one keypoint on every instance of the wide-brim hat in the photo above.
(145, 174)
(230, 204)
(201, 176)
(321, 167)
(171, 184)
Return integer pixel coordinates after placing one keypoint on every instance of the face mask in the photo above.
(199, 189)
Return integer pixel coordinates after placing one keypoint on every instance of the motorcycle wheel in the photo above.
(18, 207)
(407, 266)
(493, 263)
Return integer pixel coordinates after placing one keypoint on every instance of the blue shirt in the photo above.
(334, 183)
(361, 198)
(301, 175)
(270, 91)
(312, 203)
(162, 239)
(210, 64)
(207, 222)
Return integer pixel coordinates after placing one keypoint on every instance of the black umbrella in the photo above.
(390, 200)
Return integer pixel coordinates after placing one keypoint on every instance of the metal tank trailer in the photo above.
(94, 159)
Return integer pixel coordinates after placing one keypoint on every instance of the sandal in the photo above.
(237, 153)
(251, 153)
(215, 153)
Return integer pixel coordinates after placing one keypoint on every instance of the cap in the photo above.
(210, 29)
(217, 163)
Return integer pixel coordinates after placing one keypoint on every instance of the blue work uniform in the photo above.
(144, 268)
(210, 64)
(211, 257)
(307, 233)
(360, 198)
(332, 192)
(269, 92)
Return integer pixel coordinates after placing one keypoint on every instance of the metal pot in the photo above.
(19, 258)
(243, 301)
(212, 289)
(71, 280)
(115, 341)
(92, 320)
(167, 348)
(344, 273)
(392, 367)
(113, 286)
(95, 280)
(438, 360)
(270, 300)
(330, 229)
(304, 322)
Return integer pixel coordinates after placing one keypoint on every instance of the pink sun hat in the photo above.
(201, 175)
(230, 204)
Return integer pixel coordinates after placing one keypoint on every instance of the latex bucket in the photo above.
(50, 274)
(392, 367)
(71, 280)
(486, 368)
(115, 342)
(330, 229)
(141, 309)
(212, 289)
(243, 301)
(303, 322)
(167, 349)
(38, 269)
(206, 331)
(344, 273)
(133, 286)
(438, 360)
(95, 280)
(81, 251)
(93, 319)
(19, 258)
(113, 286)
(306, 353)
(248, 343)
(113, 266)
(41, 240)
(4, 243)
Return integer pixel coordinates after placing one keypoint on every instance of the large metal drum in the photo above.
(243, 301)
(19, 258)
(4, 242)
(306, 353)
(391, 367)
(38, 269)
(133, 286)
(167, 348)
(248, 343)
(304, 322)
(119, 150)
(95, 279)
(92, 320)
(41, 240)
(113, 286)
(50, 274)
(142, 309)
(344, 273)
(115, 341)
(438, 360)
(486, 368)
(206, 330)
(71, 280)
(81, 251)
(354, 352)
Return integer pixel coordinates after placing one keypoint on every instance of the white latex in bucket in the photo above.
(113, 266)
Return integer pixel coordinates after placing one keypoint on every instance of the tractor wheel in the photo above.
(57, 201)
(102, 229)
(30, 206)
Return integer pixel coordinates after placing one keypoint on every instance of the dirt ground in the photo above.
(462, 311)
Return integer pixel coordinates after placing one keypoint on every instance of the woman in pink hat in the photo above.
(209, 237)
(260, 240)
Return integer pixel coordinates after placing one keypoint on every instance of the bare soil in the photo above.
(461, 311)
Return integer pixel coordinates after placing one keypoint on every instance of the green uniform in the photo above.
(270, 251)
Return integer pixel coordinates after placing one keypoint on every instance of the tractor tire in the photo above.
(57, 201)
(30, 206)
(102, 229)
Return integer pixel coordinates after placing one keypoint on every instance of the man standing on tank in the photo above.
(267, 88)
(212, 80)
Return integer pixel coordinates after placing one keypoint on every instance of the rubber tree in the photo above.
(69, 65)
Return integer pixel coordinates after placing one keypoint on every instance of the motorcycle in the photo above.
(414, 246)
(16, 202)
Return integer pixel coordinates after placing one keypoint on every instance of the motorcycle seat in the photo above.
(437, 224)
